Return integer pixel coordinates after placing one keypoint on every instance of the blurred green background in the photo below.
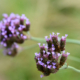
(46, 16)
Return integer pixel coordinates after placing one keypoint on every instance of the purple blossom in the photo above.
(54, 67)
(9, 52)
(53, 63)
(12, 28)
(41, 76)
(5, 15)
(24, 37)
(48, 53)
(44, 51)
(49, 66)
(5, 44)
(53, 55)
(41, 59)
(48, 62)
(12, 51)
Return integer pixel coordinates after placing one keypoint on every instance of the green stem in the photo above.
(27, 47)
(67, 40)
(74, 58)
(38, 39)
(73, 41)
(77, 70)
(65, 66)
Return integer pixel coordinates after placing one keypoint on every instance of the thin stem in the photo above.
(26, 47)
(73, 68)
(38, 39)
(65, 66)
(74, 58)
(67, 40)
(73, 41)
(29, 47)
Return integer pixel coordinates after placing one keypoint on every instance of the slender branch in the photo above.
(65, 66)
(38, 39)
(74, 58)
(29, 47)
(26, 47)
(73, 68)
(67, 40)
(73, 41)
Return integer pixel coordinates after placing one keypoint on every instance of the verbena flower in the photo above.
(51, 56)
(12, 51)
(12, 29)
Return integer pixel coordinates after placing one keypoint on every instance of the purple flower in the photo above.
(12, 51)
(52, 59)
(54, 67)
(41, 76)
(12, 29)
(53, 63)
(48, 62)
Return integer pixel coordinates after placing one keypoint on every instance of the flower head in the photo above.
(12, 28)
(12, 51)
(50, 59)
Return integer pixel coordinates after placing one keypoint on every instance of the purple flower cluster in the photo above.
(12, 51)
(52, 55)
(12, 28)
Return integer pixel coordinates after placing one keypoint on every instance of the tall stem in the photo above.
(73, 68)
(74, 58)
(65, 66)
(38, 39)
(26, 47)
(67, 40)
(73, 41)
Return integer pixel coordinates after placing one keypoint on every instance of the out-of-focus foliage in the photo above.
(46, 16)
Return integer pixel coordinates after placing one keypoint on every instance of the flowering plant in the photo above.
(50, 59)
(11, 32)
(51, 56)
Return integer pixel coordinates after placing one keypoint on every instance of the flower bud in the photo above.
(12, 51)
(62, 43)
(63, 59)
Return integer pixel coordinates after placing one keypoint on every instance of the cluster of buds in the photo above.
(52, 55)
(12, 51)
(12, 29)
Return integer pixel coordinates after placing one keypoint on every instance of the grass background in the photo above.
(46, 16)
